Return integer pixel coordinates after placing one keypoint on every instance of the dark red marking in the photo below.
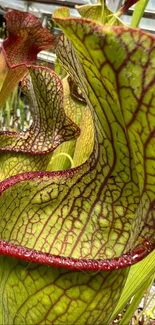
(26, 38)
(127, 5)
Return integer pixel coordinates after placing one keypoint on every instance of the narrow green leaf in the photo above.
(138, 12)
(74, 109)
(135, 302)
(138, 276)
(85, 140)
(61, 161)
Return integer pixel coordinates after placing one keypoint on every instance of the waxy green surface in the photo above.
(50, 124)
(77, 110)
(98, 210)
(50, 127)
(121, 90)
(34, 294)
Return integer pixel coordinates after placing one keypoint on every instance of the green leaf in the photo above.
(122, 77)
(74, 109)
(50, 125)
(138, 280)
(33, 294)
(79, 113)
(119, 208)
(135, 302)
(90, 216)
(115, 20)
(99, 13)
(85, 140)
(138, 12)
(63, 12)
(94, 12)
(13, 163)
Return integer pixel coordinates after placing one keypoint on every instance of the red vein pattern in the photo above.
(95, 217)
(101, 209)
(50, 125)
(26, 38)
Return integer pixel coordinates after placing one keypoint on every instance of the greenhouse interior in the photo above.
(77, 162)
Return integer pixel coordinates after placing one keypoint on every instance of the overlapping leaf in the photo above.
(26, 38)
(96, 12)
(139, 278)
(131, 86)
(100, 13)
(99, 209)
(70, 153)
(50, 126)
(86, 217)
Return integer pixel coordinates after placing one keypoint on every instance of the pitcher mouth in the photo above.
(133, 256)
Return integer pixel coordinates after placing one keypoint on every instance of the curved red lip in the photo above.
(128, 259)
